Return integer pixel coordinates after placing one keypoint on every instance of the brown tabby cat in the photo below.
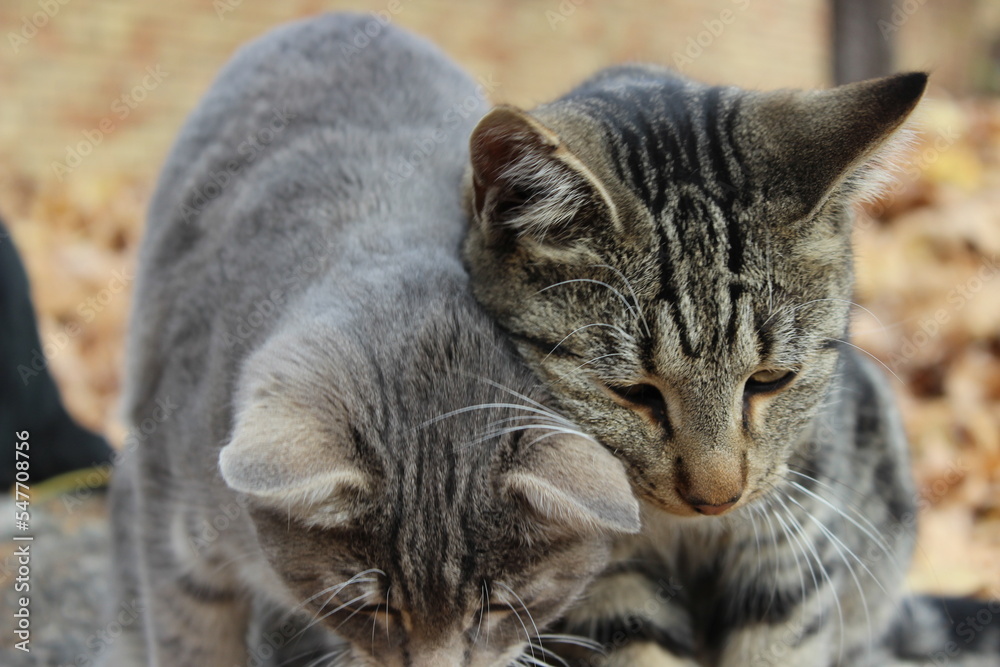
(674, 261)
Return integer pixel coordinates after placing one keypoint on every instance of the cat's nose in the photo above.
(711, 484)
(712, 509)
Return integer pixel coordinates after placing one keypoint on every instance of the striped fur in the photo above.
(356, 458)
(707, 254)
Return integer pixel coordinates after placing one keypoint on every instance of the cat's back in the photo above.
(331, 106)
(331, 146)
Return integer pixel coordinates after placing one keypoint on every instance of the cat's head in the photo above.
(410, 497)
(674, 260)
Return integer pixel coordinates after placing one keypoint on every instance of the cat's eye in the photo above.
(768, 380)
(643, 395)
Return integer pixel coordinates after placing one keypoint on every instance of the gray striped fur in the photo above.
(661, 251)
(351, 443)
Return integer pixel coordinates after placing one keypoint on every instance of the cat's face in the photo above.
(448, 529)
(674, 262)
(440, 605)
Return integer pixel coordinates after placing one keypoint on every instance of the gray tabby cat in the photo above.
(674, 261)
(352, 444)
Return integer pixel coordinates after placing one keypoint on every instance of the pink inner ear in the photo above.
(504, 136)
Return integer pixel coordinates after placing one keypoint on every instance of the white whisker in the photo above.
(621, 296)
(822, 569)
(635, 298)
(861, 349)
(624, 333)
(850, 568)
(878, 540)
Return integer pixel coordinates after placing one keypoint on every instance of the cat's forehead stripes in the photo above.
(662, 131)
(672, 143)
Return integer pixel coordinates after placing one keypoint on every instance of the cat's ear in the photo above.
(575, 484)
(527, 183)
(284, 458)
(815, 141)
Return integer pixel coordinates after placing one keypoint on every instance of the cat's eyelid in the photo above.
(775, 379)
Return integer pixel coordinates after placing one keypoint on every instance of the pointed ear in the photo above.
(284, 457)
(525, 182)
(815, 141)
(575, 484)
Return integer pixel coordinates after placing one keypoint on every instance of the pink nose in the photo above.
(702, 506)
(714, 510)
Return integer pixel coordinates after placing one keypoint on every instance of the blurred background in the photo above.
(94, 92)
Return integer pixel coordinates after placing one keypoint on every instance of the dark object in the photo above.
(863, 39)
(29, 401)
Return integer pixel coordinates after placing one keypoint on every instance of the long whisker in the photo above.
(752, 510)
(523, 606)
(850, 568)
(621, 296)
(527, 634)
(877, 539)
(491, 406)
(635, 298)
(822, 571)
(551, 654)
(482, 612)
(515, 394)
(801, 547)
(336, 588)
(587, 326)
(587, 363)
(861, 349)
(847, 301)
(573, 640)
(345, 605)
(777, 563)
(793, 543)
(549, 431)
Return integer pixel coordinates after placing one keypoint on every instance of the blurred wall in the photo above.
(116, 79)
(94, 86)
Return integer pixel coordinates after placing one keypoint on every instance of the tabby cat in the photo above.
(351, 444)
(674, 261)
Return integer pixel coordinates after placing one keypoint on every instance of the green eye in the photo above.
(768, 380)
